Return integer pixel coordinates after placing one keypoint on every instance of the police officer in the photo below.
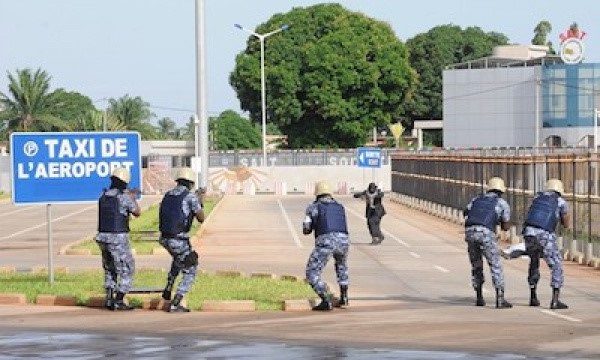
(327, 219)
(114, 207)
(483, 214)
(177, 211)
(374, 211)
(546, 210)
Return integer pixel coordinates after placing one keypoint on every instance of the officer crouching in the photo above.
(483, 214)
(546, 210)
(177, 211)
(327, 218)
(114, 207)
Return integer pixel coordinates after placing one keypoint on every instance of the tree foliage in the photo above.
(332, 76)
(430, 52)
(540, 37)
(135, 114)
(231, 131)
(70, 106)
(28, 104)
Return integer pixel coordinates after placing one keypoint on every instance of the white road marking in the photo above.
(46, 222)
(442, 269)
(385, 232)
(289, 224)
(561, 316)
(17, 211)
(415, 255)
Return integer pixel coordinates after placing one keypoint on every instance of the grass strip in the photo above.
(148, 221)
(4, 195)
(267, 293)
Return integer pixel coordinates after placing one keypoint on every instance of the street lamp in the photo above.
(263, 98)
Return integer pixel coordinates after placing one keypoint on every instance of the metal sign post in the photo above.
(50, 248)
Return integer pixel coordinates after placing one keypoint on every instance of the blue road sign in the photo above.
(368, 157)
(50, 168)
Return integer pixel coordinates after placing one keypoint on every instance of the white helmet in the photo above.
(497, 184)
(122, 174)
(186, 173)
(322, 188)
(555, 185)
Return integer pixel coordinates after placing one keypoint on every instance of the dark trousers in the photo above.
(374, 224)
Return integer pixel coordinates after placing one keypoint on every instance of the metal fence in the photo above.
(289, 157)
(453, 179)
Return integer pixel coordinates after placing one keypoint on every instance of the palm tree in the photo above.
(94, 121)
(135, 114)
(167, 127)
(27, 105)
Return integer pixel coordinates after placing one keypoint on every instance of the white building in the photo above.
(519, 97)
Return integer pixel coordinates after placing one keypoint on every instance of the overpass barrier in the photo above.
(451, 180)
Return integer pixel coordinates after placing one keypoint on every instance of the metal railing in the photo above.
(454, 179)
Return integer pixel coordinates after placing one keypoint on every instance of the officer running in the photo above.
(327, 218)
(483, 214)
(546, 210)
(177, 211)
(114, 207)
(374, 211)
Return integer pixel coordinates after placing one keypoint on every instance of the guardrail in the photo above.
(453, 179)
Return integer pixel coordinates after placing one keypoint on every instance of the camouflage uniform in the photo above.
(117, 260)
(542, 243)
(179, 247)
(481, 241)
(334, 244)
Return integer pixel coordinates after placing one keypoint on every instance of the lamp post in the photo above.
(263, 96)
(201, 119)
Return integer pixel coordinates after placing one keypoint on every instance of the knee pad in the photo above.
(191, 259)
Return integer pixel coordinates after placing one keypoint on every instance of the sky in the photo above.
(108, 48)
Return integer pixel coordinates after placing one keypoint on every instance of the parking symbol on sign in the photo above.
(30, 148)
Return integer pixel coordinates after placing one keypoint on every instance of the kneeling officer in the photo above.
(114, 207)
(177, 211)
(327, 218)
(483, 214)
(547, 209)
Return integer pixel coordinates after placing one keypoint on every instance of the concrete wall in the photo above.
(492, 107)
(298, 179)
(5, 184)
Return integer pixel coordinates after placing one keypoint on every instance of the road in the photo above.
(410, 293)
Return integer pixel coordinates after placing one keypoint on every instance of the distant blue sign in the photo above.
(368, 157)
(70, 167)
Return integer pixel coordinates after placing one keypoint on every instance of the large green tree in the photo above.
(540, 35)
(70, 106)
(332, 76)
(232, 131)
(28, 105)
(167, 128)
(430, 52)
(135, 114)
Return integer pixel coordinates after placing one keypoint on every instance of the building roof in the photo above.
(497, 62)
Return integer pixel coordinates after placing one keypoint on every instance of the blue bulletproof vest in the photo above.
(483, 212)
(110, 219)
(172, 219)
(331, 218)
(542, 213)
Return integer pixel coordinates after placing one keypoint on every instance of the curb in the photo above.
(77, 252)
(56, 300)
(95, 302)
(200, 231)
(229, 305)
(8, 269)
(44, 270)
(263, 275)
(289, 278)
(13, 299)
(229, 273)
(159, 251)
(298, 305)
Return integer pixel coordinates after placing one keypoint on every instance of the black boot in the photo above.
(119, 304)
(377, 240)
(326, 303)
(166, 294)
(108, 302)
(557, 304)
(176, 306)
(501, 303)
(480, 301)
(533, 300)
(343, 296)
